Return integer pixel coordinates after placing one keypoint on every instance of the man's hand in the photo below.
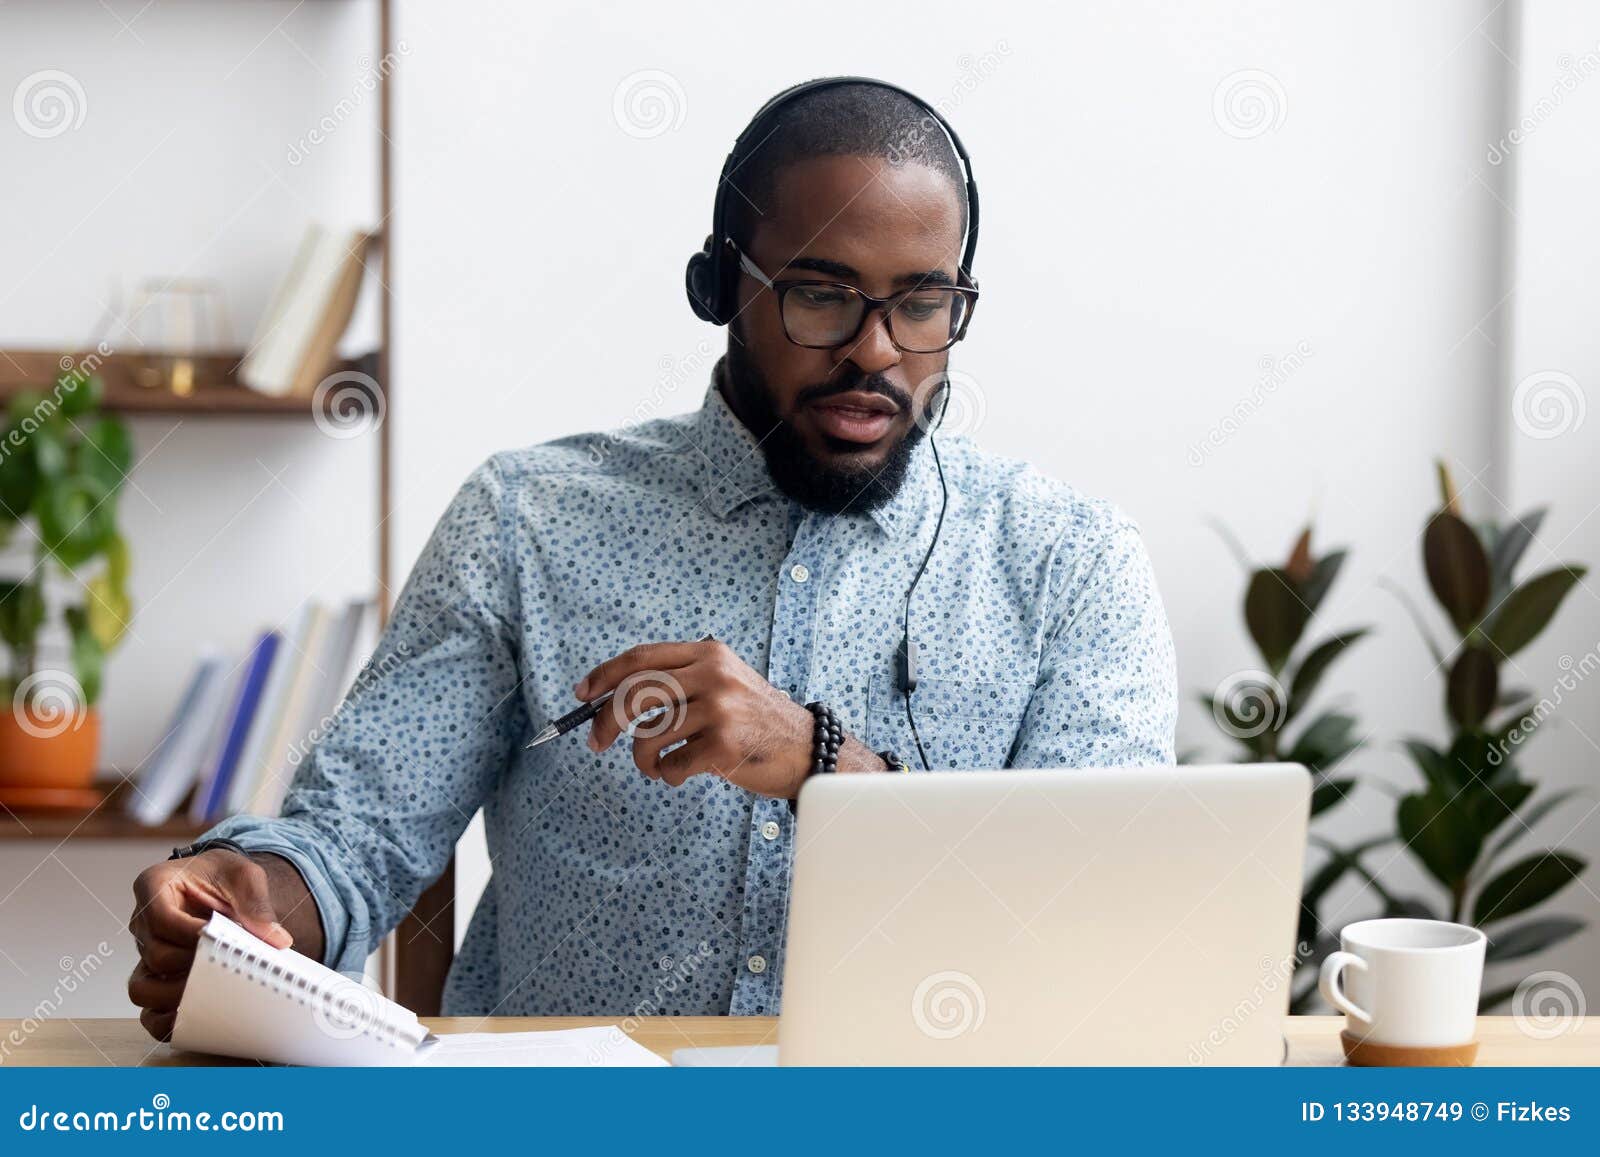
(730, 721)
(173, 900)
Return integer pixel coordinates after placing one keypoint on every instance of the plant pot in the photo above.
(49, 751)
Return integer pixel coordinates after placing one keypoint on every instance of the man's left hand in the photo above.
(730, 721)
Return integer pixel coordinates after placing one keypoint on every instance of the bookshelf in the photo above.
(217, 394)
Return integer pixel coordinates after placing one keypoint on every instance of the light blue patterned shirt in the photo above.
(1043, 644)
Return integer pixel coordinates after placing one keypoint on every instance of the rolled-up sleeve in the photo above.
(1106, 693)
(373, 814)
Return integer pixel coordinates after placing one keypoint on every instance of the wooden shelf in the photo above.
(108, 821)
(217, 392)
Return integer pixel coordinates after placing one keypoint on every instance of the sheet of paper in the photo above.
(605, 1046)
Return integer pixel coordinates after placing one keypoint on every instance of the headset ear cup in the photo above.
(700, 282)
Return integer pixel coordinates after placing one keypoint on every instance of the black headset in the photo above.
(711, 280)
(712, 274)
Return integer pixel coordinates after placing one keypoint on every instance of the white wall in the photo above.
(1142, 262)
(180, 167)
(1552, 427)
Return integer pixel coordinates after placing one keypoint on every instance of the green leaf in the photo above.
(1526, 883)
(80, 396)
(1528, 609)
(1431, 762)
(1441, 832)
(1315, 588)
(22, 612)
(1537, 812)
(108, 610)
(1492, 806)
(1330, 792)
(106, 453)
(1530, 937)
(1458, 569)
(1275, 615)
(1324, 741)
(77, 519)
(1509, 548)
(1312, 668)
(1471, 687)
(88, 656)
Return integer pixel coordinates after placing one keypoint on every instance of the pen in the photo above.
(579, 716)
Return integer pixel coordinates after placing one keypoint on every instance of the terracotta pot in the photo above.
(58, 751)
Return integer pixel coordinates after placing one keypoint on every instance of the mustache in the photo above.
(857, 383)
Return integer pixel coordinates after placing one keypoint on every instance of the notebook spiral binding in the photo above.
(373, 1015)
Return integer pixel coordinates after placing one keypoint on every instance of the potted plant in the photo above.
(1265, 712)
(1474, 806)
(62, 465)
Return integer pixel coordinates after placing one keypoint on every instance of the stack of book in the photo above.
(297, 342)
(242, 727)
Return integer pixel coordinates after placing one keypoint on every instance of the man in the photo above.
(803, 524)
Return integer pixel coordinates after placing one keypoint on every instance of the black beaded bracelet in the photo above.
(827, 737)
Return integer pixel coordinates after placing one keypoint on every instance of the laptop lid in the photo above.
(1072, 917)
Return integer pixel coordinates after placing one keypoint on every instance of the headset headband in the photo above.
(709, 279)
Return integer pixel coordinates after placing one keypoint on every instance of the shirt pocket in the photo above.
(964, 723)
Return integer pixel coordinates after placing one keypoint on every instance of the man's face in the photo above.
(838, 424)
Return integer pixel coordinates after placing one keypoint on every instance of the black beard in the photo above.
(794, 469)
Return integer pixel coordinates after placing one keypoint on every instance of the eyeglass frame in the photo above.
(970, 292)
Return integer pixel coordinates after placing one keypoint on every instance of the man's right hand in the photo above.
(172, 901)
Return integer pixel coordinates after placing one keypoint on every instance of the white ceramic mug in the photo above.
(1407, 982)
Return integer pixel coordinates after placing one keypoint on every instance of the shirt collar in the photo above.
(734, 469)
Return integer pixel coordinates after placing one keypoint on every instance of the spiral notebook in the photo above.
(245, 998)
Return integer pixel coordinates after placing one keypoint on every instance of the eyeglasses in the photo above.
(824, 315)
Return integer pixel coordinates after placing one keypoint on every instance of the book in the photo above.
(175, 764)
(234, 729)
(297, 341)
(281, 760)
(334, 672)
(245, 998)
(269, 713)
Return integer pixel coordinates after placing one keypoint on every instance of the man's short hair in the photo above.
(861, 120)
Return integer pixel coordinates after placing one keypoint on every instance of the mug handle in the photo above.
(1333, 992)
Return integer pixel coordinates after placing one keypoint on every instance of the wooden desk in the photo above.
(1313, 1040)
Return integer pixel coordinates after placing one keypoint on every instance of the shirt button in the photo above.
(769, 830)
(757, 964)
(799, 573)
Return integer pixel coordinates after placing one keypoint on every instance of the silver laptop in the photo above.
(1084, 917)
